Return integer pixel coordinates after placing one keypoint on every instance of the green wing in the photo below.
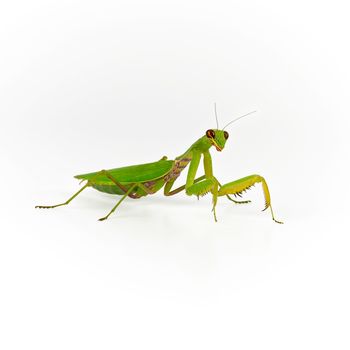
(131, 174)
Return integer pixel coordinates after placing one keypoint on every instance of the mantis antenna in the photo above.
(216, 116)
(234, 120)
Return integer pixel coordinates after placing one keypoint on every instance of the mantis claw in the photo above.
(238, 202)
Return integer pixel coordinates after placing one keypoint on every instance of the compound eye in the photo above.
(226, 135)
(210, 133)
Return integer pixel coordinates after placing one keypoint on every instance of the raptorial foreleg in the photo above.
(239, 186)
(209, 184)
(201, 188)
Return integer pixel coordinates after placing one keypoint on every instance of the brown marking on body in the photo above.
(179, 165)
(150, 185)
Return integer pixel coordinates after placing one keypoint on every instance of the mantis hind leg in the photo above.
(239, 186)
(64, 203)
(89, 183)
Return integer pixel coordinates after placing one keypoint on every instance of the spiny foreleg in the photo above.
(239, 186)
(202, 188)
(233, 200)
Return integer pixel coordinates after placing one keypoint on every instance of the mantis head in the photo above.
(217, 138)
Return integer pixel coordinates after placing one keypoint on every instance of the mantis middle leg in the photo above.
(169, 185)
(119, 202)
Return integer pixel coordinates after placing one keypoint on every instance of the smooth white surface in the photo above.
(86, 86)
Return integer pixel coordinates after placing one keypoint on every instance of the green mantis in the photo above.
(141, 180)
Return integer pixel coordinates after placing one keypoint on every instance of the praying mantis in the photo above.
(141, 180)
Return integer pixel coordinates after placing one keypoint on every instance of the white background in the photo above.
(91, 85)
